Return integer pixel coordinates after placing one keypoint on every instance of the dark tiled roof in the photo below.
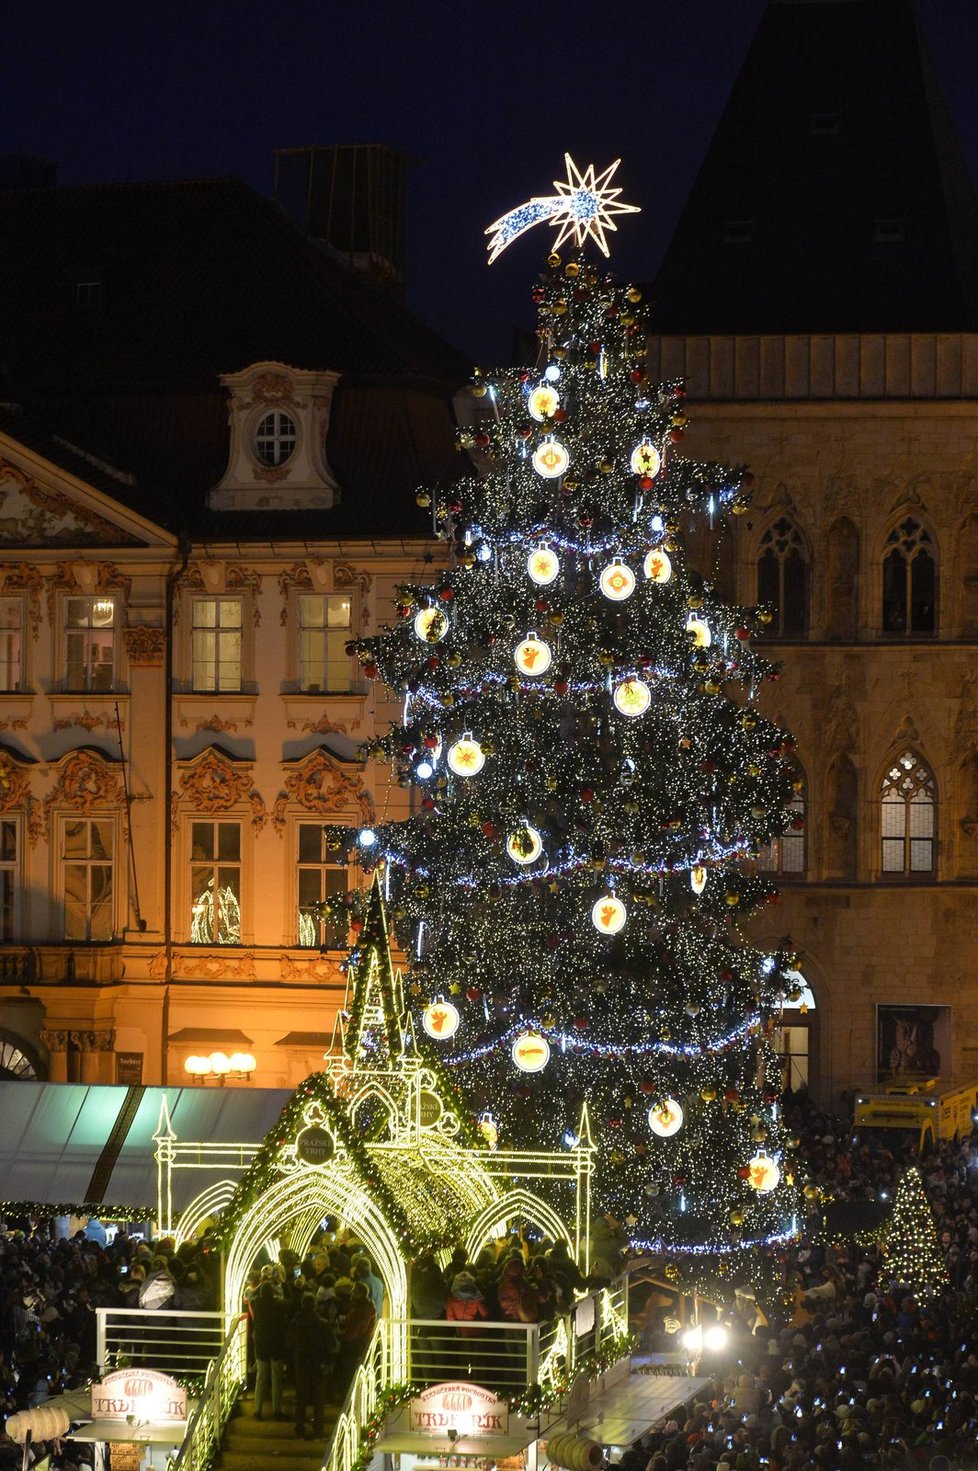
(834, 196)
(197, 280)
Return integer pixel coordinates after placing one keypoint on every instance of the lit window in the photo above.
(322, 874)
(9, 877)
(89, 644)
(86, 858)
(215, 883)
(217, 644)
(909, 580)
(782, 579)
(275, 438)
(908, 817)
(786, 855)
(11, 643)
(324, 631)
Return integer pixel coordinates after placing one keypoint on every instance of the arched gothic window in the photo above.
(908, 817)
(782, 579)
(909, 580)
(786, 855)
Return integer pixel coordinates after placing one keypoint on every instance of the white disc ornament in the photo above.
(697, 878)
(646, 460)
(657, 565)
(699, 630)
(525, 845)
(550, 459)
(617, 582)
(608, 915)
(632, 697)
(440, 1020)
(765, 1173)
(430, 625)
(533, 656)
(531, 1052)
(666, 1118)
(466, 756)
(543, 402)
(543, 566)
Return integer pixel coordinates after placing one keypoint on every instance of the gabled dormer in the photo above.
(279, 418)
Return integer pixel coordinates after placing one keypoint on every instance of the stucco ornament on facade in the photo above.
(87, 578)
(145, 646)
(212, 783)
(318, 785)
(34, 515)
(15, 795)
(26, 578)
(86, 780)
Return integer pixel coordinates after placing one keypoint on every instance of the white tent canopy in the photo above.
(54, 1137)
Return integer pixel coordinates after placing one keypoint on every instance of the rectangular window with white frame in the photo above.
(322, 874)
(90, 644)
(9, 877)
(215, 883)
(88, 877)
(325, 627)
(216, 645)
(11, 644)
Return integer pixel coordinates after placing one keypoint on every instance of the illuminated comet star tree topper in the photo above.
(594, 782)
(582, 208)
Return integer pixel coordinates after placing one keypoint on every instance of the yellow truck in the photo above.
(919, 1112)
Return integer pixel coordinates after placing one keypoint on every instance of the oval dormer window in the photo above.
(275, 438)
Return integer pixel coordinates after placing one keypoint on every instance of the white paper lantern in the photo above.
(697, 878)
(608, 915)
(525, 845)
(543, 402)
(533, 656)
(646, 460)
(666, 1118)
(765, 1172)
(440, 1020)
(617, 581)
(550, 459)
(430, 624)
(530, 1052)
(543, 566)
(632, 697)
(657, 565)
(466, 757)
(699, 629)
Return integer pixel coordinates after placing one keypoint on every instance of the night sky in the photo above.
(484, 96)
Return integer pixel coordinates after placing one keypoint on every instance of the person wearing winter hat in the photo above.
(465, 1303)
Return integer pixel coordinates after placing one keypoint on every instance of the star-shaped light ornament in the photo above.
(582, 209)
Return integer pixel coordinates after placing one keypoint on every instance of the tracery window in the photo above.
(909, 580)
(908, 817)
(782, 579)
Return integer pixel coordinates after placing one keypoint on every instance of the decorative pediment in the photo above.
(87, 779)
(86, 577)
(318, 784)
(15, 790)
(34, 515)
(213, 782)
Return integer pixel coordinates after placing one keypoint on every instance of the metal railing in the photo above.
(182, 1344)
(224, 1381)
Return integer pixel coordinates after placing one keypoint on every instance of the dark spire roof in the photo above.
(120, 306)
(834, 196)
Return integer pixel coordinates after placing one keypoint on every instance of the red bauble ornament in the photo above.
(541, 605)
(428, 803)
(356, 925)
(587, 794)
(675, 436)
(646, 482)
(743, 1173)
(594, 348)
(473, 993)
(560, 686)
(636, 375)
(646, 1086)
(560, 416)
(446, 594)
(581, 1023)
(370, 671)
(742, 633)
(431, 742)
(489, 829)
(434, 662)
(614, 1123)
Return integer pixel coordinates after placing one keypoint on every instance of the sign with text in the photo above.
(142, 1394)
(467, 1409)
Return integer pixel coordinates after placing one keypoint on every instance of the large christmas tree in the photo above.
(593, 782)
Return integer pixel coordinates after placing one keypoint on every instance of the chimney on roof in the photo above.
(20, 171)
(350, 197)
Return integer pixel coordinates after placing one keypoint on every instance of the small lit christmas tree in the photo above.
(913, 1252)
(594, 778)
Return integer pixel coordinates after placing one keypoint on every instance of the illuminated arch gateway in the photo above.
(380, 1141)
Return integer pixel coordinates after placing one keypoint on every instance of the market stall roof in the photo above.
(75, 1143)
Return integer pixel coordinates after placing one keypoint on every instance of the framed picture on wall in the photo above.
(912, 1042)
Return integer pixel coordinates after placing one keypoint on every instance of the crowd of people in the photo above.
(851, 1369)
